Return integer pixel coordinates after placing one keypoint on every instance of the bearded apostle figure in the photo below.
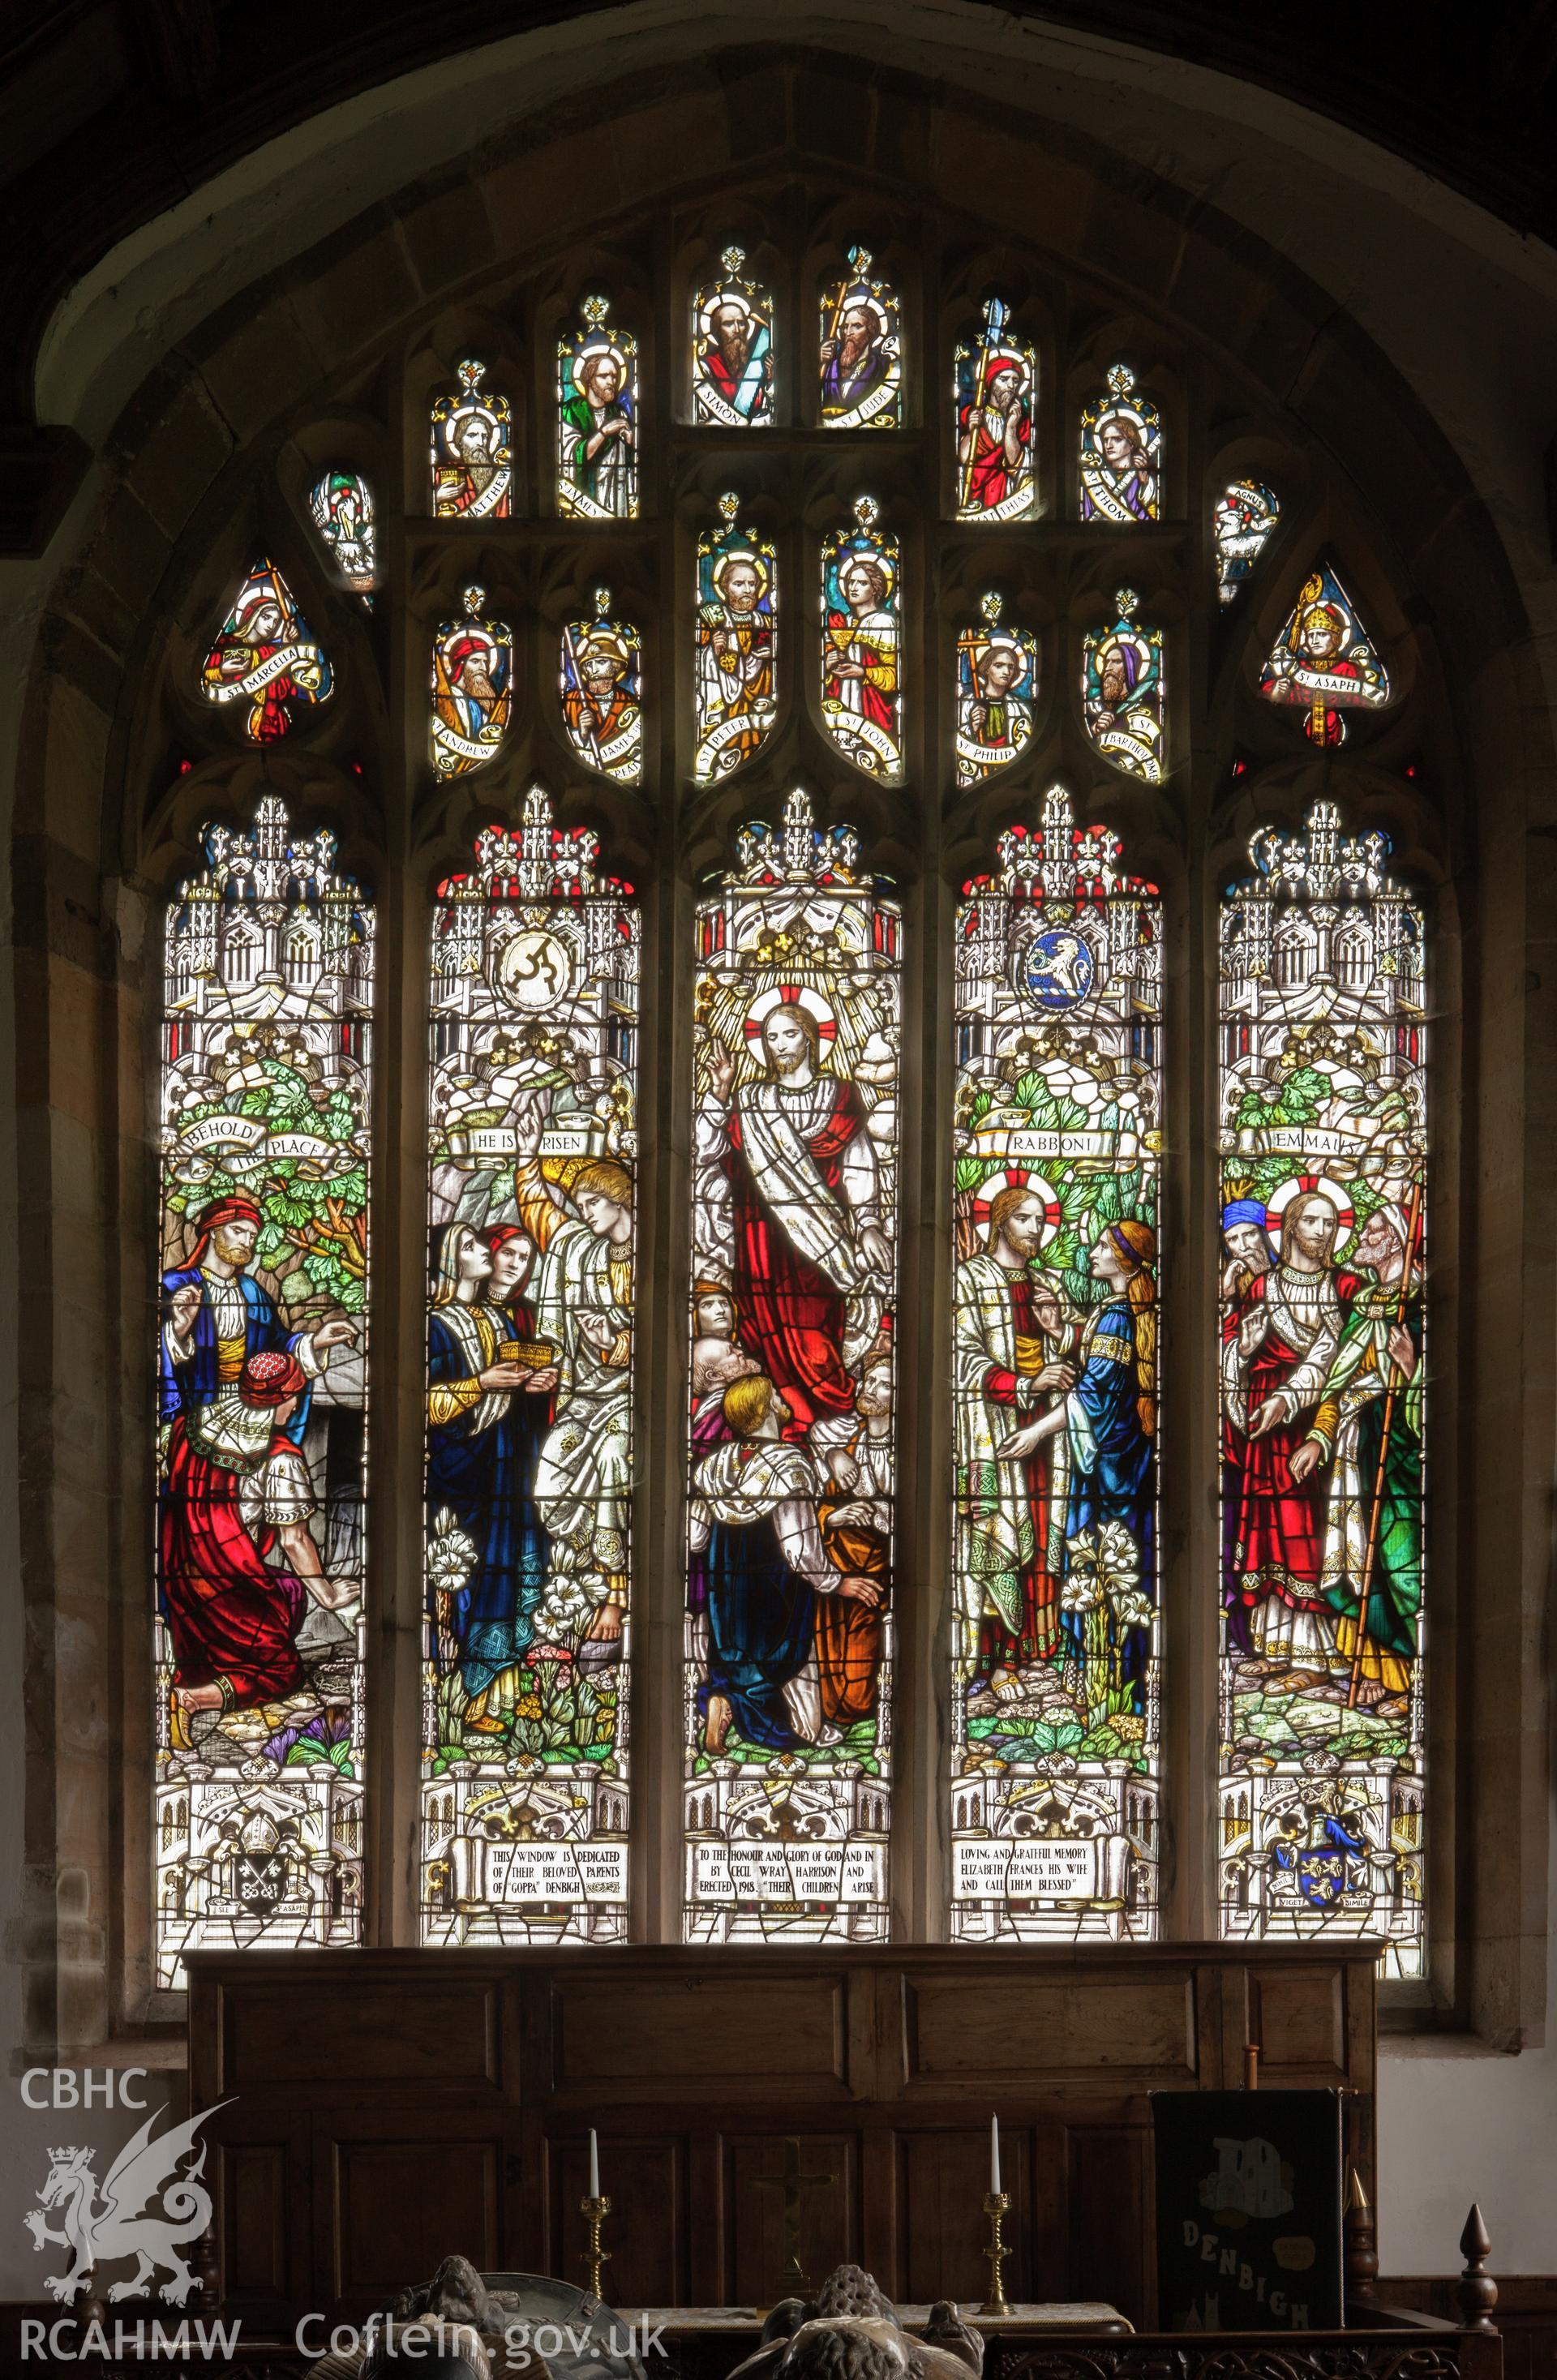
(789, 1210)
(994, 443)
(1278, 1341)
(736, 707)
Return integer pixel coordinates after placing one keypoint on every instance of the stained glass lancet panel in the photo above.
(1057, 1152)
(534, 1004)
(1321, 1255)
(268, 994)
(732, 349)
(792, 1443)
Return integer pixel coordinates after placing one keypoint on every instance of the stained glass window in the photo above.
(861, 644)
(1057, 1152)
(1242, 518)
(732, 351)
(737, 645)
(472, 692)
(1321, 1261)
(793, 1478)
(265, 658)
(597, 418)
(997, 682)
(342, 505)
(267, 1008)
(1123, 691)
(1121, 454)
(1324, 661)
(472, 457)
(530, 1464)
(861, 350)
(993, 381)
(601, 683)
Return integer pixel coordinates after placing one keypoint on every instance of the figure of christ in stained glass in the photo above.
(597, 419)
(792, 1443)
(1323, 1126)
(997, 678)
(1324, 660)
(732, 351)
(861, 350)
(262, 1396)
(861, 601)
(994, 378)
(1055, 1760)
(529, 1483)
(471, 462)
(265, 658)
(1121, 454)
(737, 604)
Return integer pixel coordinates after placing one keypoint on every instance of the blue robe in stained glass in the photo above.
(481, 1467)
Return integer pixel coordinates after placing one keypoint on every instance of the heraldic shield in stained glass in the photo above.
(1242, 519)
(1322, 1263)
(1124, 692)
(342, 505)
(732, 351)
(994, 377)
(1121, 454)
(530, 1342)
(1323, 661)
(997, 680)
(1057, 1152)
(265, 658)
(601, 685)
(793, 1463)
(472, 691)
(736, 645)
(597, 418)
(861, 642)
(472, 455)
(861, 351)
(267, 1018)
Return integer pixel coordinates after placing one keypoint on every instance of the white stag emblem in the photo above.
(129, 2221)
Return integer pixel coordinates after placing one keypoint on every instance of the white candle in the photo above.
(994, 2156)
(594, 2165)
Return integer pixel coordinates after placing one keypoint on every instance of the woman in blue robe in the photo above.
(1109, 1420)
(486, 1419)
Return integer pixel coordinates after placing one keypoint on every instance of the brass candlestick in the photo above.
(996, 2204)
(594, 2212)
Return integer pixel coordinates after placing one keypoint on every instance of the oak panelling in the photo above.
(448, 2097)
(1303, 2011)
(754, 2187)
(646, 2233)
(443, 2039)
(1025, 2028)
(944, 2229)
(1112, 2253)
(402, 2201)
(253, 2184)
(655, 2039)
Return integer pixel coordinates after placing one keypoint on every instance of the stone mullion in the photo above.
(396, 1402)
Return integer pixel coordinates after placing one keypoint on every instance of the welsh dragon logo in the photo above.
(149, 2209)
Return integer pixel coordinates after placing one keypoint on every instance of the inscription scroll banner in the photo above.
(1053, 1870)
(769, 1872)
(529, 1871)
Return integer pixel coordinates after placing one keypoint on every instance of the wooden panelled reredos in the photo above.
(386, 2109)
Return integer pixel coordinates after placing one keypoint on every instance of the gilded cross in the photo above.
(794, 2281)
